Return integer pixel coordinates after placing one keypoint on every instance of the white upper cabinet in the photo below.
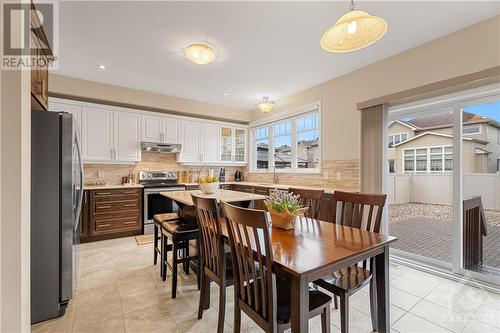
(160, 129)
(170, 128)
(209, 142)
(97, 134)
(75, 110)
(190, 142)
(127, 136)
(151, 128)
(112, 134)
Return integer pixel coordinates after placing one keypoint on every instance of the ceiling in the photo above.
(264, 48)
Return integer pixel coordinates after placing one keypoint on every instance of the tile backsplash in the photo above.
(112, 173)
(342, 175)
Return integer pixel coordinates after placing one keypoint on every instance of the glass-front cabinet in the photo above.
(233, 144)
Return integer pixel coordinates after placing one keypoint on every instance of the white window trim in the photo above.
(270, 122)
(428, 156)
(472, 125)
(397, 134)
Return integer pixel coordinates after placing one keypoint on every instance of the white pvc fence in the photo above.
(438, 188)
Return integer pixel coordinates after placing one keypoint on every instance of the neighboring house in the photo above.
(307, 155)
(424, 144)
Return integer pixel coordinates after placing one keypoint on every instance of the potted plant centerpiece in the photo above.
(284, 208)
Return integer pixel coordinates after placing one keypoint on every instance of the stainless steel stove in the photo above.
(155, 182)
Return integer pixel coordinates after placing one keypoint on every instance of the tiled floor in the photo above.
(120, 291)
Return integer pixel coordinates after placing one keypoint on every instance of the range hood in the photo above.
(155, 147)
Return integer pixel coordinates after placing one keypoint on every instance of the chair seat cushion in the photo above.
(159, 218)
(178, 227)
(346, 279)
(316, 299)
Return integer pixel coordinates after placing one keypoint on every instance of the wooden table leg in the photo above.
(382, 301)
(299, 304)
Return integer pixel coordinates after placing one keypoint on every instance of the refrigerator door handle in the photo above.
(80, 199)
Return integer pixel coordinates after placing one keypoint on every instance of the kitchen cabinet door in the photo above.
(151, 128)
(209, 143)
(75, 110)
(240, 145)
(170, 133)
(97, 134)
(127, 136)
(190, 142)
(226, 144)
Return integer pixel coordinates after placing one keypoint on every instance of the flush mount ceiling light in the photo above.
(101, 67)
(200, 53)
(353, 31)
(266, 105)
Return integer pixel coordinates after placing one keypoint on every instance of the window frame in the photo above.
(394, 135)
(480, 129)
(313, 108)
(428, 155)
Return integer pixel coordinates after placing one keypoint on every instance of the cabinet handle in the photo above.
(103, 193)
(130, 205)
(104, 207)
(129, 222)
(129, 192)
(103, 225)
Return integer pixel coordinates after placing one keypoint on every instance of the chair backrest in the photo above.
(212, 245)
(310, 199)
(252, 262)
(358, 210)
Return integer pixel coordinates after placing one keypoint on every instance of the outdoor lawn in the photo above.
(426, 229)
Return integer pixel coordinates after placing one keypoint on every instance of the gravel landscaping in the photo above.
(426, 230)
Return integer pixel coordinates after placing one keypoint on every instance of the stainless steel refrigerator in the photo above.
(56, 197)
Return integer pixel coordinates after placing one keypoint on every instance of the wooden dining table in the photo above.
(315, 249)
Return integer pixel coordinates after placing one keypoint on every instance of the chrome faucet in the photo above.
(275, 176)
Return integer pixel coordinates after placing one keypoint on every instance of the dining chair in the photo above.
(256, 290)
(215, 262)
(360, 211)
(310, 199)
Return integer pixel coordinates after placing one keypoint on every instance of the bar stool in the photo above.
(158, 219)
(180, 232)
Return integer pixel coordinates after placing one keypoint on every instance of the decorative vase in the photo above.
(283, 220)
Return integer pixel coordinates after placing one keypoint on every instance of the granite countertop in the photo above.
(109, 186)
(221, 195)
(271, 185)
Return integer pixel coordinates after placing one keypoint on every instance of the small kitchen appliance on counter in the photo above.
(222, 175)
(154, 183)
(238, 176)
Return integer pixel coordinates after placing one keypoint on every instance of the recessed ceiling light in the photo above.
(226, 94)
(101, 67)
(200, 53)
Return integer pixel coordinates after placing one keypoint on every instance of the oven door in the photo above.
(155, 203)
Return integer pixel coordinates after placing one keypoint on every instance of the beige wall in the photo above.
(15, 127)
(472, 49)
(63, 86)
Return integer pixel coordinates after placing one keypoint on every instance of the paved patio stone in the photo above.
(432, 237)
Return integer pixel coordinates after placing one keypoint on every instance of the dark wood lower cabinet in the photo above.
(111, 213)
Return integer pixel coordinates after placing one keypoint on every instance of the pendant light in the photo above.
(200, 53)
(266, 105)
(353, 31)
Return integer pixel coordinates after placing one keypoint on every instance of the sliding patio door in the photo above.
(443, 182)
(420, 184)
(481, 187)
